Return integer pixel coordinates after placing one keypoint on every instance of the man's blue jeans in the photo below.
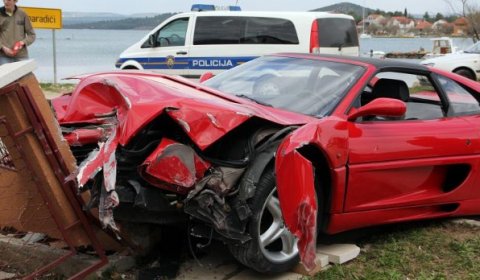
(5, 59)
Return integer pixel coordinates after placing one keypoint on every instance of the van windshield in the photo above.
(308, 86)
(474, 48)
(337, 33)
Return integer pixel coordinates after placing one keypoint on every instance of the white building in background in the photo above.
(404, 24)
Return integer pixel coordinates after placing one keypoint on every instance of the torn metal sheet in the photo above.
(103, 159)
(80, 137)
(206, 128)
(296, 192)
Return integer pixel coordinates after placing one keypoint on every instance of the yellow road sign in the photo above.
(44, 18)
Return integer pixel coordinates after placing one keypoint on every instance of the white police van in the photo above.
(192, 43)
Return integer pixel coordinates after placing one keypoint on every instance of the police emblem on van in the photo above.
(170, 61)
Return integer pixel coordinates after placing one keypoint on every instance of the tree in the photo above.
(392, 29)
(356, 17)
(405, 14)
(373, 29)
(397, 14)
(471, 12)
(439, 16)
(426, 17)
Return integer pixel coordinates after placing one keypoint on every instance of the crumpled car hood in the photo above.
(136, 98)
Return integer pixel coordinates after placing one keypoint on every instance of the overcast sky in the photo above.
(160, 6)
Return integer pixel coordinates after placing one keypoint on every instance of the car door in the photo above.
(167, 48)
(425, 158)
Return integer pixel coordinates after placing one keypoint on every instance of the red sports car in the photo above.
(274, 151)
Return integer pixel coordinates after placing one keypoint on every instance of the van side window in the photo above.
(172, 34)
(244, 30)
(337, 33)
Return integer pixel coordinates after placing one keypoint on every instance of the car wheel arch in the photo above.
(259, 165)
(465, 68)
(131, 65)
(314, 154)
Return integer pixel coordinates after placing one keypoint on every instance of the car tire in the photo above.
(272, 249)
(465, 73)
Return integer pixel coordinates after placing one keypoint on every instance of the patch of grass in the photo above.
(427, 251)
(427, 88)
(58, 88)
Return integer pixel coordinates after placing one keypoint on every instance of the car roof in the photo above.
(377, 63)
(268, 14)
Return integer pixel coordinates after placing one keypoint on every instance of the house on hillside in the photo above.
(375, 19)
(461, 27)
(401, 24)
(442, 27)
(372, 23)
(422, 27)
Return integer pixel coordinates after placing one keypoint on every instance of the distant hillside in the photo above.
(148, 20)
(346, 8)
(144, 23)
(70, 18)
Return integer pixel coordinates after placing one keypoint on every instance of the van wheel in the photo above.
(465, 72)
(273, 248)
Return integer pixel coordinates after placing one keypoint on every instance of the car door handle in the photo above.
(182, 52)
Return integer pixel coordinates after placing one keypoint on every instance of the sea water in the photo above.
(81, 51)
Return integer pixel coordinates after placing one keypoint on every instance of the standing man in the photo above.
(16, 33)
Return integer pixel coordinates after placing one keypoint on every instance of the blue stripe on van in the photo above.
(196, 63)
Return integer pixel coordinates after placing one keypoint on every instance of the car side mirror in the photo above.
(388, 107)
(205, 76)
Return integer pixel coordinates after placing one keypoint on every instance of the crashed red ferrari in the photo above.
(271, 153)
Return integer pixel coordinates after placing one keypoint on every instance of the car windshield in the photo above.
(308, 86)
(475, 48)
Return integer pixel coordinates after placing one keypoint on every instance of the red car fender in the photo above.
(299, 204)
(295, 175)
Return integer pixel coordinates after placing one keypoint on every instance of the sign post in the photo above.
(42, 18)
